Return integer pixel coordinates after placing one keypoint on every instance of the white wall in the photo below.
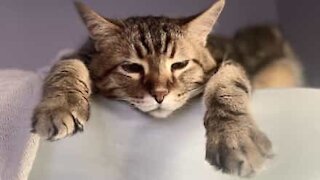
(33, 31)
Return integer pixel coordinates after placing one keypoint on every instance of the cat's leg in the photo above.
(64, 107)
(234, 142)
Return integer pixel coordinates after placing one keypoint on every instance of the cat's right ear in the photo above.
(199, 26)
(97, 25)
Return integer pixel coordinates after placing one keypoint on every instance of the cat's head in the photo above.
(155, 63)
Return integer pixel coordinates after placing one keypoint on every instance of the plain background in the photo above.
(32, 32)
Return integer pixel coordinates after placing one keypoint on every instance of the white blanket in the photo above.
(19, 91)
(120, 143)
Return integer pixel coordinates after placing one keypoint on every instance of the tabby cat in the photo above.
(157, 64)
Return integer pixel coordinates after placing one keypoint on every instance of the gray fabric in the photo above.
(19, 91)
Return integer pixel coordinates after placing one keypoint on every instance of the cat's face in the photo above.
(155, 63)
(157, 70)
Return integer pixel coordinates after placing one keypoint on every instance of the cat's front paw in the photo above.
(54, 120)
(237, 149)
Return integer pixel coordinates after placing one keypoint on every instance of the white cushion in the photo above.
(120, 143)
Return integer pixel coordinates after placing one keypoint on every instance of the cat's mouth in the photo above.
(157, 108)
(160, 112)
(154, 109)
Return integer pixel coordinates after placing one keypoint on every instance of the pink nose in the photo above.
(159, 95)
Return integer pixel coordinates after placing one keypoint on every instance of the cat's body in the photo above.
(263, 52)
(157, 64)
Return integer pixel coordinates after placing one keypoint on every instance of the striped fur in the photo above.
(157, 64)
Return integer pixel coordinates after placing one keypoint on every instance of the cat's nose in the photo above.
(160, 94)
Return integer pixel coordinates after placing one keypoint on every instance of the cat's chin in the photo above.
(160, 113)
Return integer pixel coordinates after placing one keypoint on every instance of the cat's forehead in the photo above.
(153, 23)
(153, 35)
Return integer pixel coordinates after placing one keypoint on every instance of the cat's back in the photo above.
(264, 53)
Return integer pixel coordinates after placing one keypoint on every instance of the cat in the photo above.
(157, 64)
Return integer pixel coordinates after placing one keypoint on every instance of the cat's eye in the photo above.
(179, 65)
(132, 68)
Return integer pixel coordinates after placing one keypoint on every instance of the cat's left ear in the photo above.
(201, 25)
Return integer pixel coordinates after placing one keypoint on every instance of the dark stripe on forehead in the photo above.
(164, 41)
(139, 50)
(170, 42)
(170, 45)
(146, 38)
(144, 43)
(167, 42)
(173, 50)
